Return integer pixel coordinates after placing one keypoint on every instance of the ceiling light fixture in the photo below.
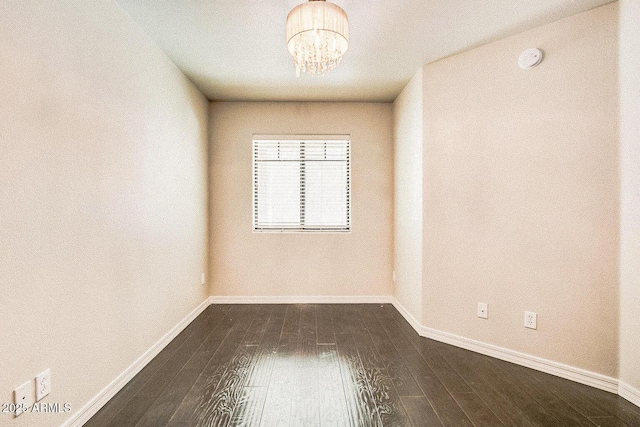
(317, 36)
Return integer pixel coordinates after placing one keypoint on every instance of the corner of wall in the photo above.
(408, 140)
(629, 267)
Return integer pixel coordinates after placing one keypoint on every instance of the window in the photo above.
(301, 183)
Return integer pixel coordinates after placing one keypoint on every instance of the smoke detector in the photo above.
(530, 58)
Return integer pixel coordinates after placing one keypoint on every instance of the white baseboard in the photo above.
(415, 323)
(318, 299)
(93, 406)
(558, 369)
(629, 393)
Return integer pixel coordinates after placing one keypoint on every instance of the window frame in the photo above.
(298, 138)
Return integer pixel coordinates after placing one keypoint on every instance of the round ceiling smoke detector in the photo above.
(530, 58)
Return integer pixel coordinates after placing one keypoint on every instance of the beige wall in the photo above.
(407, 170)
(630, 194)
(103, 190)
(244, 263)
(521, 193)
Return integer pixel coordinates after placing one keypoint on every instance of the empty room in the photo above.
(319, 213)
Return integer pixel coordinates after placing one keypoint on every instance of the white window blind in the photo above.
(301, 184)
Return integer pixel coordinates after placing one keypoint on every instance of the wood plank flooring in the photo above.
(342, 365)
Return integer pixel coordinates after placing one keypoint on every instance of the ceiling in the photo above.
(235, 49)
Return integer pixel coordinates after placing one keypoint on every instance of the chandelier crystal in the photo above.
(317, 36)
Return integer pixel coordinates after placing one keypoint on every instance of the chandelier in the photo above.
(317, 36)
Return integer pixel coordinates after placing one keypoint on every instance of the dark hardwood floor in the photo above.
(342, 365)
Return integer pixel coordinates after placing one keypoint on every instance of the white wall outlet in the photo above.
(43, 384)
(530, 320)
(483, 310)
(23, 397)
(202, 279)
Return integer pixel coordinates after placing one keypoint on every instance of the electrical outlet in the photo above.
(23, 398)
(483, 310)
(202, 279)
(530, 320)
(43, 384)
